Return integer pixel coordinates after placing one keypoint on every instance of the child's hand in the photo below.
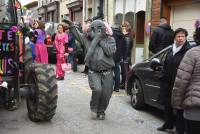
(66, 54)
(70, 50)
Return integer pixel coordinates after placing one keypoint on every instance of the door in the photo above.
(185, 15)
(152, 81)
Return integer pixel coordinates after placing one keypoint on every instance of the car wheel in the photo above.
(137, 96)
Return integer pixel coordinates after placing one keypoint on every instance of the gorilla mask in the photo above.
(97, 28)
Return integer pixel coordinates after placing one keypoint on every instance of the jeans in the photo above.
(124, 72)
(117, 75)
(72, 60)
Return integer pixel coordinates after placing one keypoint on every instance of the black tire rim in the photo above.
(134, 92)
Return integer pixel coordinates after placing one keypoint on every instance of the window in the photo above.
(162, 56)
(6, 11)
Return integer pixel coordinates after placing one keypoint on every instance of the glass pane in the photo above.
(6, 11)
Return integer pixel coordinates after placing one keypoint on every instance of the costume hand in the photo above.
(99, 36)
(67, 20)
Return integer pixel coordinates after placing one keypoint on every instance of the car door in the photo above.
(152, 80)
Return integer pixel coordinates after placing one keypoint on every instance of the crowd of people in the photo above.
(179, 82)
(108, 51)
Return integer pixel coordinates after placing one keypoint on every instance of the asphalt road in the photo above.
(72, 116)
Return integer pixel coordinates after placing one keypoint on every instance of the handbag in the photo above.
(66, 67)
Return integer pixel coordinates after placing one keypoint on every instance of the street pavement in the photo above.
(73, 114)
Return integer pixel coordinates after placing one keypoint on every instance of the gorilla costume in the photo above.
(100, 49)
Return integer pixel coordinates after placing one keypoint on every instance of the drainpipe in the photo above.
(133, 55)
(147, 38)
(124, 10)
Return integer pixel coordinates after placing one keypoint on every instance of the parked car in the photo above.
(143, 83)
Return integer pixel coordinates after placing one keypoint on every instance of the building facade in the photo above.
(32, 10)
(63, 9)
(180, 13)
(49, 10)
(75, 8)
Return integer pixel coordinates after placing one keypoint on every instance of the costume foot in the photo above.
(101, 116)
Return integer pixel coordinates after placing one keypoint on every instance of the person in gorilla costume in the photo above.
(100, 48)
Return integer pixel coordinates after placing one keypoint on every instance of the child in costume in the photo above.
(40, 47)
(60, 41)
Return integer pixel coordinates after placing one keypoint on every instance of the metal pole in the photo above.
(147, 18)
(124, 10)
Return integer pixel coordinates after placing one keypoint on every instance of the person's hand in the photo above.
(66, 54)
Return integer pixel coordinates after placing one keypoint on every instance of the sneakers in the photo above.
(11, 105)
(164, 128)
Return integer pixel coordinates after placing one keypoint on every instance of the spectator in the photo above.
(128, 44)
(61, 39)
(120, 39)
(32, 40)
(162, 36)
(186, 91)
(72, 49)
(172, 61)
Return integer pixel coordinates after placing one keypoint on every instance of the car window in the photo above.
(162, 57)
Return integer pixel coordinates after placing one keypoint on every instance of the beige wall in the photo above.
(63, 8)
(110, 11)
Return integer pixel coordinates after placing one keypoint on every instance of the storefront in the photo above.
(180, 13)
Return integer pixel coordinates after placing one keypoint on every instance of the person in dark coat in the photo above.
(162, 37)
(172, 61)
(128, 44)
(186, 91)
(72, 54)
(119, 38)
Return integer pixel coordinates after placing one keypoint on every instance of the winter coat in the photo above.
(128, 47)
(72, 43)
(186, 91)
(169, 73)
(120, 47)
(162, 37)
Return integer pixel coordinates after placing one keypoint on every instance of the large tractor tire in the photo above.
(42, 101)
